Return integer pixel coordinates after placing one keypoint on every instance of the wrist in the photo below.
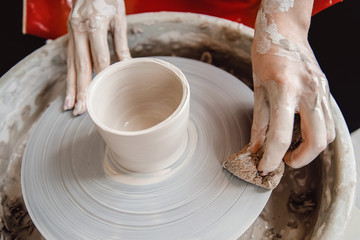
(283, 20)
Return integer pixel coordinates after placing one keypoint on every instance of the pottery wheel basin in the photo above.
(309, 202)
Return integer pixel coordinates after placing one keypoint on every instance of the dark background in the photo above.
(334, 37)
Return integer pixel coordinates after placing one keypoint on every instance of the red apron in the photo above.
(47, 18)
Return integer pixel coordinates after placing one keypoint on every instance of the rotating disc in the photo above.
(70, 195)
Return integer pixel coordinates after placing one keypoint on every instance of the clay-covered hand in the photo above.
(88, 25)
(287, 79)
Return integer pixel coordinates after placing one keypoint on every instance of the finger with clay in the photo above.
(88, 25)
(287, 80)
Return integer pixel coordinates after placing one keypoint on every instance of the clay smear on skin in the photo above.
(312, 92)
(101, 6)
(92, 20)
(268, 32)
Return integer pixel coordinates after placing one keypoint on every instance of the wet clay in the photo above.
(292, 209)
(23, 101)
(141, 109)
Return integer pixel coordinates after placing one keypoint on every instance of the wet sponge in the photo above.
(244, 164)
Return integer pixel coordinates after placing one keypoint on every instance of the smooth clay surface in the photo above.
(141, 109)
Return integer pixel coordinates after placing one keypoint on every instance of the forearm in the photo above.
(289, 19)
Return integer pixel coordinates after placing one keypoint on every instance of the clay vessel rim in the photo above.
(126, 63)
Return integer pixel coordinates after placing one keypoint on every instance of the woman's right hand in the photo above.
(288, 79)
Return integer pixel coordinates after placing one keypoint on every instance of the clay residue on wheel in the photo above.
(161, 38)
(29, 91)
(293, 207)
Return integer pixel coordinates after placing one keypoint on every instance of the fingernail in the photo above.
(68, 103)
(80, 108)
(264, 173)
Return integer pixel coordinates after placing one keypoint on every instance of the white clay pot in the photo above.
(140, 107)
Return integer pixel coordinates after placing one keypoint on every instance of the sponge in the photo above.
(244, 164)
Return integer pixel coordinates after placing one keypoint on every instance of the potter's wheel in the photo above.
(69, 196)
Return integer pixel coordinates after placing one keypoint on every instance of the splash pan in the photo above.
(69, 195)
